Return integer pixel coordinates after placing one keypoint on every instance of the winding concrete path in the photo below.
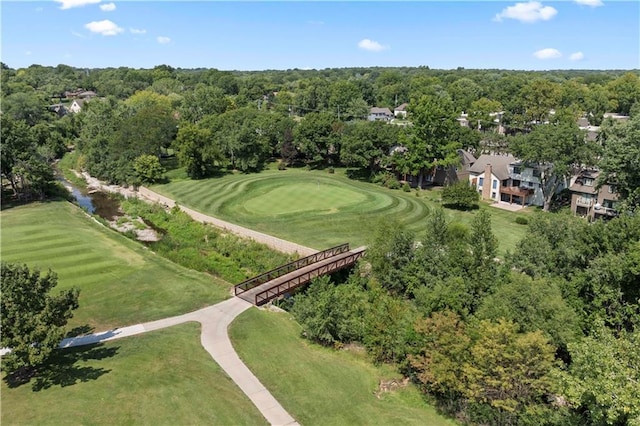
(214, 337)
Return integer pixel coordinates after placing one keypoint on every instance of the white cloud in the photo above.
(592, 3)
(109, 7)
(106, 28)
(547, 53)
(77, 34)
(68, 4)
(28, 53)
(163, 40)
(527, 12)
(577, 56)
(137, 31)
(370, 45)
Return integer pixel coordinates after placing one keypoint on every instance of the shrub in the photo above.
(460, 195)
(386, 179)
(282, 166)
(331, 170)
(520, 220)
(406, 187)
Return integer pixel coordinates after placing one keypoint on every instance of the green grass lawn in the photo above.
(321, 386)
(121, 282)
(160, 378)
(318, 209)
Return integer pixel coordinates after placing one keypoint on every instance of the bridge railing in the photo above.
(285, 287)
(289, 267)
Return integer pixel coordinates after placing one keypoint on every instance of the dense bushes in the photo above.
(460, 195)
(205, 248)
(548, 336)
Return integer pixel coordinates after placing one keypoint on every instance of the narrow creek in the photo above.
(107, 206)
(94, 202)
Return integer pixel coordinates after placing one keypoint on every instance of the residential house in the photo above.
(589, 201)
(524, 185)
(488, 173)
(377, 114)
(59, 109)
(76, 105)
(447, 175)
(88, 94)
(401, 111)
(463, 119)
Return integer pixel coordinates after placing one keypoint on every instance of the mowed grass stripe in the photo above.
(267, 202)
(121, 282)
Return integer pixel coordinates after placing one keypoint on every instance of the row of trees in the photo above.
(205, 118)
(548, 336)
(348, 91)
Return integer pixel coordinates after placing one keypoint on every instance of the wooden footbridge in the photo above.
(270, 285)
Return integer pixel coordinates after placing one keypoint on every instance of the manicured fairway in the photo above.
(320, 386)
(160, 378)
(318, 209)
(121, 282)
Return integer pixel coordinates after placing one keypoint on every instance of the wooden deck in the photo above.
(263, 293)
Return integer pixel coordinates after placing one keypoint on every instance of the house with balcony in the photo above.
(523, 185)
(587, 200)
(503, 178)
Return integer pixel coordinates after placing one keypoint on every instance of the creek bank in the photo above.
(98, 199)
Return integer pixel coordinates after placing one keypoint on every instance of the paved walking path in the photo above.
(214, 337)
(271, 241)
(149, 195)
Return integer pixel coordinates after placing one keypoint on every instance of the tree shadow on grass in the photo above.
(461, 208)
(64, 368)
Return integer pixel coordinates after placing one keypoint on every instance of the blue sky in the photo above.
(531, 35)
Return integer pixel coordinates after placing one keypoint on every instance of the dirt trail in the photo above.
(144, 193)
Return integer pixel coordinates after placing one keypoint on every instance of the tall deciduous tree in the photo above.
(366, 144)
(557, 150)
(432, 140)
(620, 164)
(32, 319)
(197, 151)
(603, 379)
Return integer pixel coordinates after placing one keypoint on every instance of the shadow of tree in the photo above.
(64, 368)
(79, 331)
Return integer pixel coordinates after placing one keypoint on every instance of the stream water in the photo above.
(95, 202)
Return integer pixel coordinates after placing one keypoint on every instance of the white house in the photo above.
(401, 111)
(376, 114)
(76, 105)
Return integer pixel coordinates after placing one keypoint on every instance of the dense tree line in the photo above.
(548, 336)
(240, 120)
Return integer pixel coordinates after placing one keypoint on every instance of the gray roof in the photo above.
(376, 110)
(499, 165)
(467, 157)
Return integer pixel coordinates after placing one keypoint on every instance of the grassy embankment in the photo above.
(121, 282)
(159, 378)
(318, 209)
(322, 386)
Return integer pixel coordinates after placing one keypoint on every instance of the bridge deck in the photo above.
(301, 276)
